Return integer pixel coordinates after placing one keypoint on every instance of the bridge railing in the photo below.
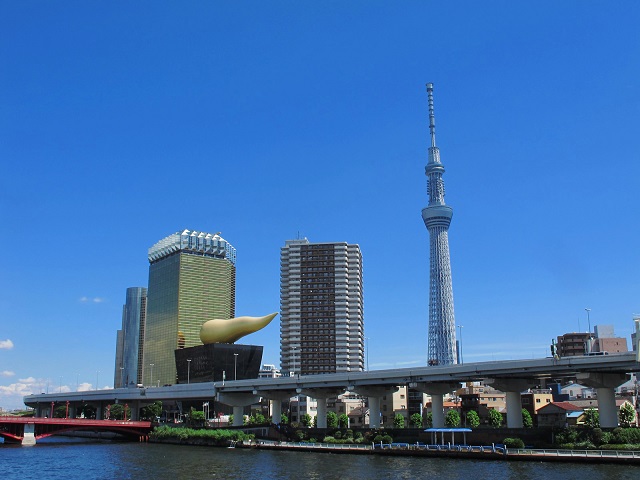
(315, 445)
(441, 448)
(631, 454)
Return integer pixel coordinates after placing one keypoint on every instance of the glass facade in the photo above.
(187, 287)
(133, 320)
(129, 345)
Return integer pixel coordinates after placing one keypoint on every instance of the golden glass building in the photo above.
(192, 279)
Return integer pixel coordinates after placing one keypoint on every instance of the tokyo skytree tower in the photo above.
(437, 217)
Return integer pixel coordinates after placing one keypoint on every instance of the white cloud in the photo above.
(6, 344)
(91, 300)
(7, 373)
(85, 387)
(11, 395)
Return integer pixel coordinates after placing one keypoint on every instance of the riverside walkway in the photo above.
(486, 452)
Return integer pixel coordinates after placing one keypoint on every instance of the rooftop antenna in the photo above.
(432, 117)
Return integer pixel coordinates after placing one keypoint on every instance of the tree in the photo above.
(343, 420)
(591, 418)
(60, 411)
(116, 412)
(416, 420)
(196, 417)
(473, 419)
(428, 420)
(332, 420)
(527, 421)
(495, 418)
(398, 421)
(627, 414)
(284, 419)
(151, 412)
(306, 420)
(315, 421)
(452, 419)
(258, 419)
(231, 419)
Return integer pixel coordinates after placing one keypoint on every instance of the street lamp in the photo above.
(460, 327)
(151, 365)
(588, 319)
(235, 366)
(188, 370)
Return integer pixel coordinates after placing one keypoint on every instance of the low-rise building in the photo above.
(573, 344)
(393, 404)
(559, 414)
(344, 404)
(269, 371)
(300, 405)
(576, 391)
(481, 398)
(359, 417)
(534, 399)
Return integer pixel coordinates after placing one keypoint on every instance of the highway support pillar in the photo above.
(238, 401)
(513, 388)
(605, 385)
(134, 406)
(437, 392)
(275, 405)
(276, 397)
(322, 412)
(238, 415)
(321, 395)
(374, 394)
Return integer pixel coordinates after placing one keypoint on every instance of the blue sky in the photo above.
(124, 122)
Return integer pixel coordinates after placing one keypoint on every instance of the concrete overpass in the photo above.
(604, 373)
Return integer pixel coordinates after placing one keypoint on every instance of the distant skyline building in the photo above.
(584, 343)
(437, 217)
(117, 375)
(192, 279)
(129, 344)
(321, 308)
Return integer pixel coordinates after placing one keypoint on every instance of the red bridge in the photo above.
(27, 430)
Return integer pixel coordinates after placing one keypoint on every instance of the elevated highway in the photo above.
(604, 373)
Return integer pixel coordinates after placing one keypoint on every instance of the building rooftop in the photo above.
(191, 241)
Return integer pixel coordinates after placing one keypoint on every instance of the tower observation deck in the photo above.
(437, 217)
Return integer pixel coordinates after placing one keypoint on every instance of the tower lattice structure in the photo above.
(437, 217)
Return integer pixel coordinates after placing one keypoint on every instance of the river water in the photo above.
(72, 459)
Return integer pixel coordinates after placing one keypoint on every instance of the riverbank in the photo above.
(490, 452)
(237, 438)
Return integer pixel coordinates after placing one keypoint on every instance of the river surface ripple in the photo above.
(73, 460)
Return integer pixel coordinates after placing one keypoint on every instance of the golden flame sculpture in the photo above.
(232, 329)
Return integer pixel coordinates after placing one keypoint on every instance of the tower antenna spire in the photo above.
(432, 117)
(442, 349)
